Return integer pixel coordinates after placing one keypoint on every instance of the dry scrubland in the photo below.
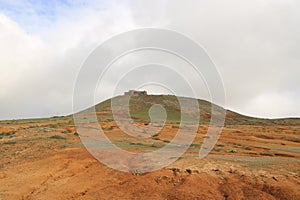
(253, 159)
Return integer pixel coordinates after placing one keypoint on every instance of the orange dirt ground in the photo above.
(248, 162)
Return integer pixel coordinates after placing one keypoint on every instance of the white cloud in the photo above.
(273, 105)
(38, 69)
(255, 45)
(18, 52)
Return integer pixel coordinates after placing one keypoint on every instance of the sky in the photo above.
(255, 46)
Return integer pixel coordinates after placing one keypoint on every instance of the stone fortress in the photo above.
(135, 93)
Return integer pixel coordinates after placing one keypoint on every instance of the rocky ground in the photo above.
(44, 159)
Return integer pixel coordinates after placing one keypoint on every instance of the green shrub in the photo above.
(155, 138)
(58, 137)
(195, 145)
(232, 151)
(266, 154)
(53, 126)
(10, 142)
(4, 134)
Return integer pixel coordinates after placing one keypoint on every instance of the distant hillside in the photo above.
(140, 105)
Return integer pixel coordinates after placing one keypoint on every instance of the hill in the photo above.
(139, 107)
(253, 158)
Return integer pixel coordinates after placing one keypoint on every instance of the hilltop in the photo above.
(140, 105)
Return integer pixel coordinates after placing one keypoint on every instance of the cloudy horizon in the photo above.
(254, 44)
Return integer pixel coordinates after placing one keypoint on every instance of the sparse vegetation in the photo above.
(195, 145)
(232, 151)
(155, 135)
(156, 138)
(53, 125)
(10, 142)
(7, 134)
(267, 154)
(238, 153)
(58, 137)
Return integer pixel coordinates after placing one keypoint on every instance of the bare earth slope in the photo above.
(253, 159)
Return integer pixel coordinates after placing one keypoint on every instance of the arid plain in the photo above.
(253, 159)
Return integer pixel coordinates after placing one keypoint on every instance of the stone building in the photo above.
(135, 93)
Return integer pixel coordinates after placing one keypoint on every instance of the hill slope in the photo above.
(139, 107)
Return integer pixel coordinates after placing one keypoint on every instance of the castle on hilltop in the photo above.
(135, 93)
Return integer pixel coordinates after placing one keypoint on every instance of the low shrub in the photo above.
(58, 137)
(10, 142)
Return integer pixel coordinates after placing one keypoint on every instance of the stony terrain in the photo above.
(253, 159)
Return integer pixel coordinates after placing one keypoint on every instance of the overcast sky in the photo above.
(255, 45)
